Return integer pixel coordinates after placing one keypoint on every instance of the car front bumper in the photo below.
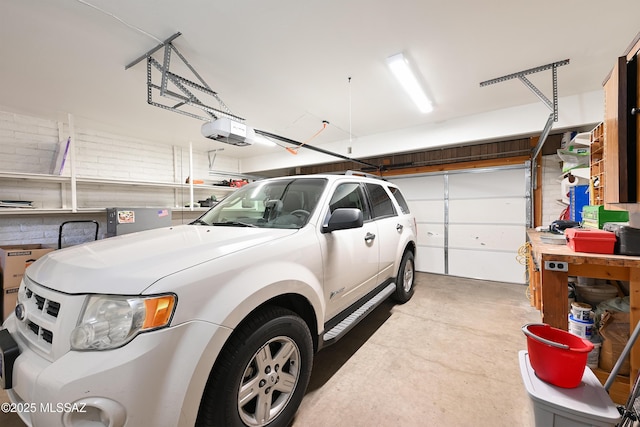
(155, 380)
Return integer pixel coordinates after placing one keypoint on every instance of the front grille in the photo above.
(34, 328)
(42, 313)
(45, 334)
(39, 301)
(50, 307)
(47, 318)
(53, 308)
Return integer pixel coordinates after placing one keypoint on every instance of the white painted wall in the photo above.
(28, 145)
(573, 111)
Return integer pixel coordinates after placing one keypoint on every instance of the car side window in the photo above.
(381, 203)
(350, 195)
(404, 207)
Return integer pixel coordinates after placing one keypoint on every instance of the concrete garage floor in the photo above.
(448, 357)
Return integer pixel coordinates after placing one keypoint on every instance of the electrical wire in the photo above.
(523, 257)
(294, 150)
(350, 112)
(524, 253)
(133, 27)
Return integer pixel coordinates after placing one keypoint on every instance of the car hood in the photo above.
(130, 263)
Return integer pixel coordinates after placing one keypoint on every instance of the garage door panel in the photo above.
(488, 265)
(427, 210)
(486, 211)
(421, 187)
(487, 237)
(431, 235)
(495, 183)
(470, 223)
(430, 260)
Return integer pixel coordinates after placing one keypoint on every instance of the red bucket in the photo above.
(557, 357)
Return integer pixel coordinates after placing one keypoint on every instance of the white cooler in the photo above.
(583, 406)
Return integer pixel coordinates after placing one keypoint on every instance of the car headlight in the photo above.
(111, 321)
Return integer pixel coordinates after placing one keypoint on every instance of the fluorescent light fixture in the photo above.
(261, 140)
(402, 70)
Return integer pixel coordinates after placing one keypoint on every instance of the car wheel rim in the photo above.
(407, 279)
(269, 381)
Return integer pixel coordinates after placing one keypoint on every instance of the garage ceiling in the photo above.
(284, 65)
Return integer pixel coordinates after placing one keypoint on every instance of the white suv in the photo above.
(214, 323)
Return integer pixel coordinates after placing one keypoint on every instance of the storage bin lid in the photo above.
(587, 401)
(589, 234)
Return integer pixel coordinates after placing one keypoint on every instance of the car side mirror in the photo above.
(343, 219)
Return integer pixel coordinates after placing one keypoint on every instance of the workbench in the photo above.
(549, 267)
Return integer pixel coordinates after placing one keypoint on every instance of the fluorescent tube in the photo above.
(402, 71)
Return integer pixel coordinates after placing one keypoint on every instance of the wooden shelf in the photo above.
(34, 177)
(70, 191)
(129, 183)
(27, 211)
(597, 166)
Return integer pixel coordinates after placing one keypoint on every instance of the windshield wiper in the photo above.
(199, 221)
(234, 224)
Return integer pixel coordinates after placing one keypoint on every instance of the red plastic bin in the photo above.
(557, 357)
(590, 240)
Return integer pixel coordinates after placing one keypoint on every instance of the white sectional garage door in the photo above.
(470, 223)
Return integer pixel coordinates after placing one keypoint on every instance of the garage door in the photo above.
(470, 223)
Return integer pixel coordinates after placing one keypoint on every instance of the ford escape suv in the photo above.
(214, 323)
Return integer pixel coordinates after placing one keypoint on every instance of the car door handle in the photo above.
(399, 227)
(369, 237)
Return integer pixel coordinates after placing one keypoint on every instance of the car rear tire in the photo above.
(405, 279)
(262, 373)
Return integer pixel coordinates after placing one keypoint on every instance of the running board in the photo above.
(355, 317)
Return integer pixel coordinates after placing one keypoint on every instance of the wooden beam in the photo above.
(537, 191)
(477, 164)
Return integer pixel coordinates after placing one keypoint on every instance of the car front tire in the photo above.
(261, 375)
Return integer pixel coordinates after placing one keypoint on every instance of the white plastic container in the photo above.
(581, 311)
(584, 406)
(593, 359)
(580, 328)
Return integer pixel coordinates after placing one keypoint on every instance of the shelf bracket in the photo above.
(521, 75)
(181, 89)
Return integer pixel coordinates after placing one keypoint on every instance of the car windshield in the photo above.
(282, 203)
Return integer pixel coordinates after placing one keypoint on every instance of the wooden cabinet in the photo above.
(597, 166)
(621, 128)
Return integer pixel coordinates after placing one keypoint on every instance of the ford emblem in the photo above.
(20, 311)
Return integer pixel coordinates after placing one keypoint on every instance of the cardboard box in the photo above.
(14, 260)
(615, 334)
(9, 300)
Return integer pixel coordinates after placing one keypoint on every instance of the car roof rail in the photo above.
(365, 174)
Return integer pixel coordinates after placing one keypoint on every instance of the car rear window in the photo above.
(404, 207)
(382, 205)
